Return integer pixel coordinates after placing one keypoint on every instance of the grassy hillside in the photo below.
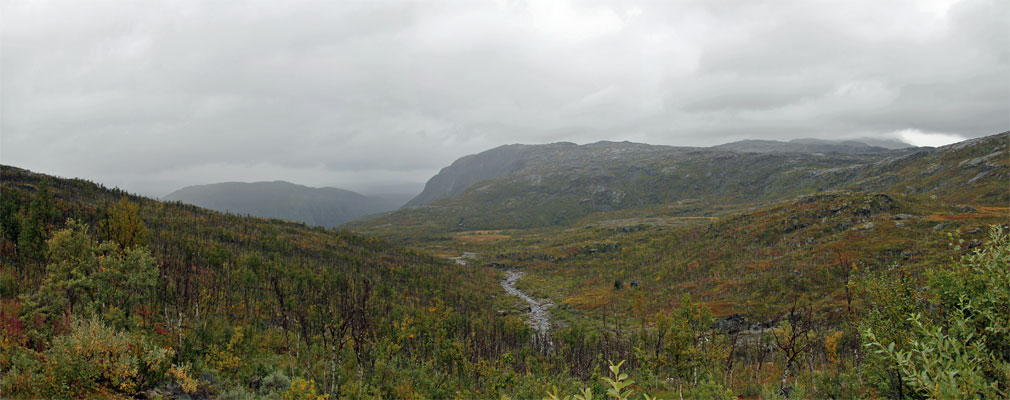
(749, 263)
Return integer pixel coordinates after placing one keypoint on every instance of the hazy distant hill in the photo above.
(892, 144)
(327, 207)
(801, 146)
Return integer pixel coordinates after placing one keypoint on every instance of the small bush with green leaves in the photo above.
(91, 359)
(959, 348)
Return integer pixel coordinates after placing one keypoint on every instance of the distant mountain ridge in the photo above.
(505, 160)
(801, 146)
(892, 144)
(523, 186)
(328, 207)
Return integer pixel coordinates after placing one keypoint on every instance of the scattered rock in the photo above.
(461, 260)
(600, 248)
(901, 217)
(539, 316)
(542, 257)
(980, 175)
(932, 169)
(984, 160)
(966, 208)
(731, 324)
(864, 227)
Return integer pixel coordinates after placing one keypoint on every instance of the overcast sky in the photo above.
(151, 96)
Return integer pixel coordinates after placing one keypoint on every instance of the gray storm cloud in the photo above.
(152, 96)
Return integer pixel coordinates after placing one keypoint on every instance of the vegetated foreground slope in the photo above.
(189, 302)
(327, 207)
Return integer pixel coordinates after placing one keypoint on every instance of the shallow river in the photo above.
(540, 319)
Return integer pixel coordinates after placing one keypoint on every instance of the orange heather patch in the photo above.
(723, 287)
(958, 217)
(592, 298)
(983, 212)
(997, 211)
(687, 285)
(759, 266)
(481, 238)
(721, 308)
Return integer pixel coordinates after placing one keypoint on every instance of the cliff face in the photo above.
(491, 164)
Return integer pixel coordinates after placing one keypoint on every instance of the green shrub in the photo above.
(960, 349)
(238, 393)
(8, 285)
(92, 278)
(93, 355)
(302, 389)
(19, 372)
(709, 389)
(91, 359)
(276, 382)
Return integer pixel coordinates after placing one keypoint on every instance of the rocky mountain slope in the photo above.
(506, 160)
(326, 207)
(495, 163)
(559, 183)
